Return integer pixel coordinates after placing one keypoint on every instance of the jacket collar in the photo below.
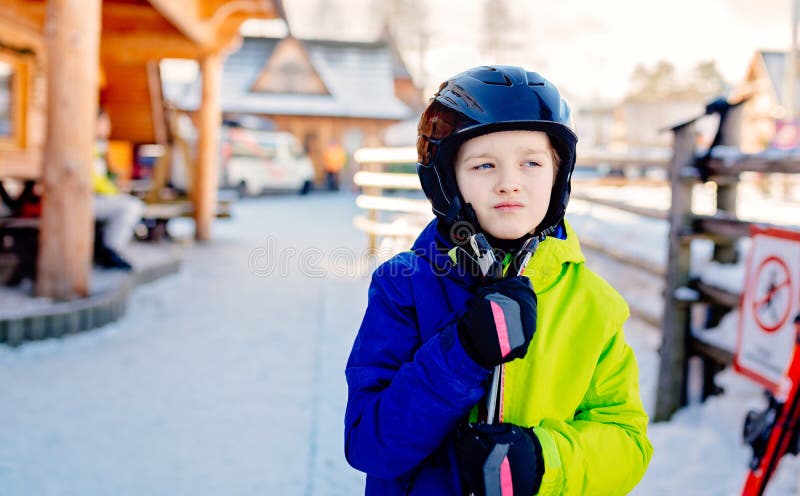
(547, 263)
(437, 249)
(544, 269)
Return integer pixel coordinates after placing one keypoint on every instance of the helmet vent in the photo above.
(504, 82)
(464, 95)
(493, 77)
(535, 84)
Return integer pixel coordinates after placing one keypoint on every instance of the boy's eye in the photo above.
(486, 165)
(531, 163)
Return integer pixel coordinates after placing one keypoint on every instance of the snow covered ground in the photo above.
(228, 378)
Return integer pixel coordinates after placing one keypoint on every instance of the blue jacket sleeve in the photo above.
(404, 396)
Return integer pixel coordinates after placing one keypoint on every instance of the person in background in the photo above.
(117, 212)
(333, 159)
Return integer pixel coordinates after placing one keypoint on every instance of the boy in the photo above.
(496, 153)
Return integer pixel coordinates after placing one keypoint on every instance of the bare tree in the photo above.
(408, 25)
(661, 82)
(501, 30)
(707, 80)
(653, 84)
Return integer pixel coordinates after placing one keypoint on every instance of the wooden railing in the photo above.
(723, 228)
(396, 218)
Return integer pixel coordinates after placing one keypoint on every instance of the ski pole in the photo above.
(524, 255)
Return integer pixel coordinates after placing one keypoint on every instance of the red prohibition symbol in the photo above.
(773, 300)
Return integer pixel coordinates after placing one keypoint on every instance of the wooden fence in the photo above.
(396, 217)
(724, 229)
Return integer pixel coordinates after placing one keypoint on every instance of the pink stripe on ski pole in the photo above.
(506, 485)
(502, 329)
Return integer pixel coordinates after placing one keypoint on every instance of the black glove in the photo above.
(493, 456)
(499, 322)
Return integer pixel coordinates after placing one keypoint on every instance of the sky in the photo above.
(588, 48)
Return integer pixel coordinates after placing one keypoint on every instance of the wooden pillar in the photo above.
(672, 373)
(725, 252)
(207, 177)
(72, 37)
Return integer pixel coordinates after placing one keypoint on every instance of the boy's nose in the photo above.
(507, 183)
(507, 187)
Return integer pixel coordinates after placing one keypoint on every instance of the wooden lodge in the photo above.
(59, 60)
(764, 88)
(319, 90)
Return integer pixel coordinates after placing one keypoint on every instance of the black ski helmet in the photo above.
(481, 101)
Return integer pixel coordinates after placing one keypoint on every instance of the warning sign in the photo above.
(773, 289)
(769, 304)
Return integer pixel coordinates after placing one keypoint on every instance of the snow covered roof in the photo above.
(357, 75)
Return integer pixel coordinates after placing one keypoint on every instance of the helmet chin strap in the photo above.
(453, 213)
(507, 245)
(521, 248)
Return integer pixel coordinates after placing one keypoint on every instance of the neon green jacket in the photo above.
(578, 385)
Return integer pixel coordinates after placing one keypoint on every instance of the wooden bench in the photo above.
(19, 237)
(156, 216)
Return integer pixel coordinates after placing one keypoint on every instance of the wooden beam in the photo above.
(161, 29)
(124, 17)
(72, 38)
(218, 11)
(730, 136)
(225, 19)
(722, 227)
(766, 162)
(618, 160)
(227, 34)
(157, 103)
(718, 295)
(185, 16)
(26, 14)
(652, 213)
(142, 46)
(672, 375)
(700, 347)
(206, 179)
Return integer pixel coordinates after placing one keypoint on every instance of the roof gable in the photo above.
(776, 65)
(289, 70)
(357, 77)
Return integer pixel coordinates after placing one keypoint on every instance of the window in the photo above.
(12, 102)
(6, 88)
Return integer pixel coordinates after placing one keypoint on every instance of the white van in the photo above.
(256, 161)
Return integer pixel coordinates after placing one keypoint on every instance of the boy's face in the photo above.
(507, 176)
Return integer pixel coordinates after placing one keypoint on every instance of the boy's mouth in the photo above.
(508, 205)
